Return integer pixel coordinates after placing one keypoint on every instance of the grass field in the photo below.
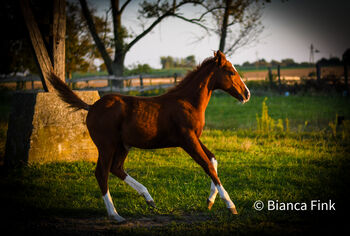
(307, 163)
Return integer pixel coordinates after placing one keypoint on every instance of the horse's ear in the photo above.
(220, 58)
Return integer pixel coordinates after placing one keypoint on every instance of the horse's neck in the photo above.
(199, 92)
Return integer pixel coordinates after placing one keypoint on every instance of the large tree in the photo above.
(237, 23)
(156, 11)
(50, 56)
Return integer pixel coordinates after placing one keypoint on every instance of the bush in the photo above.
(267, 125)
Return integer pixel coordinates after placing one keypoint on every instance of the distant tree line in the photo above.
(288, 62)
(171, 62)
(333, 61)
(139, 69)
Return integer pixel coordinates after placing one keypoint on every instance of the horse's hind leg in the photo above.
(118, 170)
(102, 170)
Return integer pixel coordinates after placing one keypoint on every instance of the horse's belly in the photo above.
(147, 135)
(141, 140)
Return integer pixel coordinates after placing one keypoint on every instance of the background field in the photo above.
(308, 162)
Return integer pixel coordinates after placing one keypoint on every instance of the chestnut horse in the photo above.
(175, 119)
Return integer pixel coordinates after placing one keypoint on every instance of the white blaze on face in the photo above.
(243, 83)
(234, 68)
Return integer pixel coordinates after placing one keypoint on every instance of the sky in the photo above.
(290, 28)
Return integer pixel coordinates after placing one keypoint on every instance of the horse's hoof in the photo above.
(210, 204)
(117, 218)
(233, 210)
(151, 204)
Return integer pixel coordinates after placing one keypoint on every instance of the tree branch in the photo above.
(101, 47)
(124, 5)
(193, 21)
(146, 31)
(158, 8)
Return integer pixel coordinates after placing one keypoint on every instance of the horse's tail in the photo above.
(66, 94)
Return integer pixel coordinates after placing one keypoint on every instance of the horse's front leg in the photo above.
(213, 189)
(193, 147)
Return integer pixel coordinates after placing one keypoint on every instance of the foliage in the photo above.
(340, 128)
(333, 61)
(237, 23)
(262, 63)
(266, 124)
(16, 51)
(138, 69)
(171, 62)
(80, 48)
(154, 11)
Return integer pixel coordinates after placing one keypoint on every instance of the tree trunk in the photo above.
(41, 53)
(224, 25)
(58, 45)
(119, 55)
(59, 33)
(118, 70)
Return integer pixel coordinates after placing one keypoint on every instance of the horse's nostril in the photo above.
(247, 94)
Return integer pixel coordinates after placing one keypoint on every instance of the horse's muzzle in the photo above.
(246, 96)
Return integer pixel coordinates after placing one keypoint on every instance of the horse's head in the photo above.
(227, 78)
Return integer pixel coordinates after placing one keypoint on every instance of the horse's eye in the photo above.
(231, 73)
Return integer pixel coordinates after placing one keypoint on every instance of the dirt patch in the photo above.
(101, 225)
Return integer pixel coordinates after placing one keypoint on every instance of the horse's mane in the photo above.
(190, 75)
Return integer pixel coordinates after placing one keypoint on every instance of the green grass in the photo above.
(299, 166)
(224, 112)
(291, 169)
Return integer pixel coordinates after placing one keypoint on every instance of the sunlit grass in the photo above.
(224, 112)
(299, 166)
(289, 169)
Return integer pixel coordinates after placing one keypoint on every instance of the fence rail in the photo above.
(108, 78)
(142, 85)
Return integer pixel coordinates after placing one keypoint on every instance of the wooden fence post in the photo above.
(270, 76)
(279, 77)
(175, 77)
(141, 81)
(318, 71)
(109, 82)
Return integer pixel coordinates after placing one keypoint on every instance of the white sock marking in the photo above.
(142, 190)
(111, 211)
(213, 190)
(224, 195)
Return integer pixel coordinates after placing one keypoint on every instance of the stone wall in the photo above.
(43, 129)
